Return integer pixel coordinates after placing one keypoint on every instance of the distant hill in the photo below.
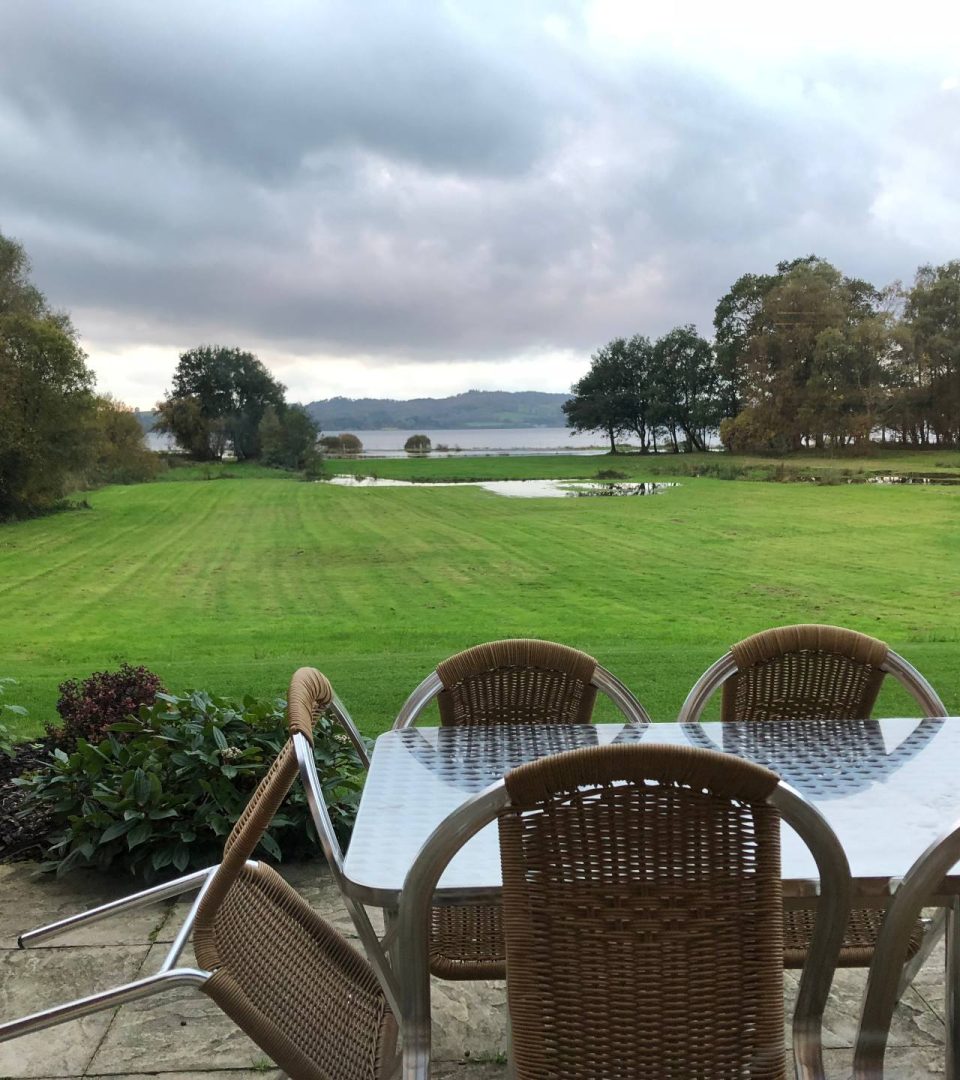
(474, 409)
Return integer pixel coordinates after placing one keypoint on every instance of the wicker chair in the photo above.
(813, 672)
(275, 967)
(519, 681)
(642, 912)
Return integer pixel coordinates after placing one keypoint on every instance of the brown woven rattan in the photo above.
(811, 672)
(520, 681)
(822, 672)
(283, 974)
(642, 911)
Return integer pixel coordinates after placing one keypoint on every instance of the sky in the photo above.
(415, 199)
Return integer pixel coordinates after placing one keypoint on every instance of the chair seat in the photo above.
(858, 941)
(467, 942)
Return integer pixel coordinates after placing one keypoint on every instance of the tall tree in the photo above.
(46, 399)
(689, 389)
(931, 321)
(46, 403)
(218, 394)
(602, 398)
(809, 360)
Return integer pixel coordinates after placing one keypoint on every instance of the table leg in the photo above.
(951, 990)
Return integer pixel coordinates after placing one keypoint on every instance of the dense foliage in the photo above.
(163, 789)
(218, 400)
(802, 357)
(288, 438)
(344, 443)
(120, 455)
(671, 389)
(56, 435)
(46, 394)
(88, 708)
(418, 444)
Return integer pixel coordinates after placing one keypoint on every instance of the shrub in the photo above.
(344, 443)
(350, 444)
(88, 708)
(418, 444)
(167, 796)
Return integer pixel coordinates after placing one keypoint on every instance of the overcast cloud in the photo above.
(413, 198)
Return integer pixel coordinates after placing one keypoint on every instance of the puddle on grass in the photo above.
(916, 478)
(523, 489)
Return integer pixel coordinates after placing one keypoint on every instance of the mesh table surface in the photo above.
(888, 788)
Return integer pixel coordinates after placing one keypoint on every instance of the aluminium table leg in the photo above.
(951, 989)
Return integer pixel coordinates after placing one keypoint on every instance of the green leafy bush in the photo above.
(165, 797)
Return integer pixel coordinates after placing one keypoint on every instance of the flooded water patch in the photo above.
(916, 478)
(522, 489)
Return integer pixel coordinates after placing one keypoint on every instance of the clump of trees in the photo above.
(218, 399)
(288, 438)
(670, 390)
(802, 357)
(224, 398)
(418, 444)
(344, 443)
(56, 434)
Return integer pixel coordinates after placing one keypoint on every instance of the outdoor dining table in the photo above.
(887, 787)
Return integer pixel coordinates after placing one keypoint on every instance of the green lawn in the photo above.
(232, 584)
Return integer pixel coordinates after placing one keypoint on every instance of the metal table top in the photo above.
(887, 787)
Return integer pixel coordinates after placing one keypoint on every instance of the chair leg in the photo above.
(104, 911)
(933, 932)
(118, 995)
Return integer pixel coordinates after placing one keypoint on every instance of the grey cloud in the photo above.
(258, 87)
(412, 181)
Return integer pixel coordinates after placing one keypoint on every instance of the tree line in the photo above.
(802, 357)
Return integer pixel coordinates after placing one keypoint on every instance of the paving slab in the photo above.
(180, 1031)
(900, 1063)
(35, 979)
(30, 898)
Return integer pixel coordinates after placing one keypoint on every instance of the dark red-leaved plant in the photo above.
(89, 707)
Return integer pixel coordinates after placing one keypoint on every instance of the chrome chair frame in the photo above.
(168, 975)
(171, 976)
(919, 884)
(602, 680)
(377, 949)
(816, 977)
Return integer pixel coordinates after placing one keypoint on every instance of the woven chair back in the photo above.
(518, 681)
(806, 671)
(643, 915)
(283, 974)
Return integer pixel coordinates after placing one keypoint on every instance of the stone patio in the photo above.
(183, 1036)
